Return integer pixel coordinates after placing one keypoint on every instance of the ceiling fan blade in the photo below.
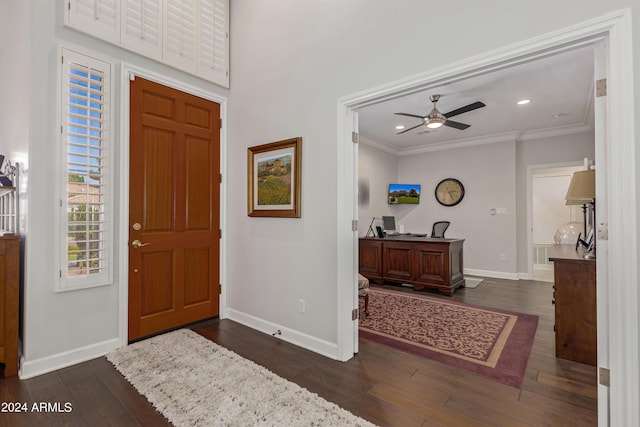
(465, 109)
(410, 115)
(407, 130)
(457, 125)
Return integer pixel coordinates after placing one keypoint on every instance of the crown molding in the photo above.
(375, 142)
(556, 131)
(528, 135)
(461, 143)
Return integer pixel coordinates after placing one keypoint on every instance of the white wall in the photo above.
(376, 169)
(14, 80)
(488, 174)
(15, 90)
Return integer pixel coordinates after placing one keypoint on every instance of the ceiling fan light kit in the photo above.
(436, 119)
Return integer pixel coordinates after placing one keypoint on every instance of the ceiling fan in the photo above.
(436, 119)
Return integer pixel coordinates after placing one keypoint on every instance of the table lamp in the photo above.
(582, 191)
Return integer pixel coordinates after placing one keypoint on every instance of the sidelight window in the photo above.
(85, 178)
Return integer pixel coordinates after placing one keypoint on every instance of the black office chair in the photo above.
(439, 228)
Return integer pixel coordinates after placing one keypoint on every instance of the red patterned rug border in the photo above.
(509, 368)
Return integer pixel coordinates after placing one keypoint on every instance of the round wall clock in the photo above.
(449, 192)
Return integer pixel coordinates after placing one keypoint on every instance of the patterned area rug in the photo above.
(492, 343)
(194, 382)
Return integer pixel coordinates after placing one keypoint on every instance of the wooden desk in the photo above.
(419, 261)
(575, 304)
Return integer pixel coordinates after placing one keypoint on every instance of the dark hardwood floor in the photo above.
(382, 385)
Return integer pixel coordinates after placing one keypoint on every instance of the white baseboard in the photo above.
(493, 274)
(300, 339)
(543, 274)
(32, 368)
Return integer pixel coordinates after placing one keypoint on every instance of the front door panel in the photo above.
(174, 208)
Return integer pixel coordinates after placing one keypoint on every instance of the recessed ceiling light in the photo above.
(523, 101)
(400, 127)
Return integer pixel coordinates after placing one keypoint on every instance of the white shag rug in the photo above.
(472, 282)
(195, 382)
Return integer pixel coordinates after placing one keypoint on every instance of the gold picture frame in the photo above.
(274, 179)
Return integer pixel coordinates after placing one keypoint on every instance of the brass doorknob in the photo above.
(138, 244)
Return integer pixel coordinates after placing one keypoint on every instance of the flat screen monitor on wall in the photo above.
(400, 194)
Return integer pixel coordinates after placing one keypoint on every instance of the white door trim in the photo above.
(602, 214)
(623, 230)
(616, 30)
(347, 249)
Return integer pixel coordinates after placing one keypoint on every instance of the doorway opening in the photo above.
(614, 290)
(550, 221)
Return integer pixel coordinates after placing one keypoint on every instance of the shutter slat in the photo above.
(86, 131)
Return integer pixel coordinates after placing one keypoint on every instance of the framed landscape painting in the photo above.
(274, 172)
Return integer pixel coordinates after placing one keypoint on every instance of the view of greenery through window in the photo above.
(85, 170)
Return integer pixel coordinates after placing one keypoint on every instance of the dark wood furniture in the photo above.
(575, 304)
(419, 261)
(9, 268)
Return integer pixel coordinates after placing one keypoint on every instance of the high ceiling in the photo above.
(559, 87)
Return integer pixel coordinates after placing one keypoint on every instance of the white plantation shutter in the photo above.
(85, 183)
(213, 40)
(190, 35)
(141, 26)
(180, 34)
(100, 18)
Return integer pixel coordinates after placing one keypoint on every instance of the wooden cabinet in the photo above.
(575, 305)
(398, 261)
(420, 262)
(9, 294)
(370, 259)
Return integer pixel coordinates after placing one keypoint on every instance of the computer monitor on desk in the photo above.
(389, 225)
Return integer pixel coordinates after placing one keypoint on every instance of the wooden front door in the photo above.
(174, 201)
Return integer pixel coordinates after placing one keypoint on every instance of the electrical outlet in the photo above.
(301, 305)
(502, 257)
